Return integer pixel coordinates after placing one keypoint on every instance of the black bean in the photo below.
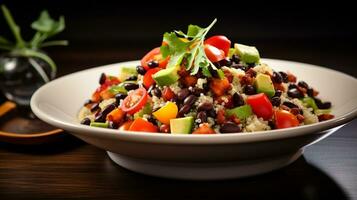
(132, 78)
(197, 91)
(291, 86)
(157, 92)
(303, 84)
(94, 107)
(290, 105)
(190, 100)
(271, 124)
(217, 64)
(322, 105)
(239, 66)
(249, 89)
(237, 100)
(202, 116)
(100, 117)
(225, 62)
(251, 65)
(230, 127)
(119, 97)
(108, 109)
(85, 121)
(152, 120)
(211, 113)
(131, 86)
(278, 93)
(235, 59)
(88, 101)
(183, 110)
(112, 125)
(295, 93)
(213, 72)
(182, 94)
(140, 69)
(153, 64)
(284, 76)
(277, 78)
(275, 101)
(102, 78)
(310, 92)
(205, 106)
(205, 87)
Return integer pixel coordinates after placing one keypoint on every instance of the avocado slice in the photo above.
(126, 71)
(247, 54)
(166, 76)
(242, 112)
(263, 84)
(181, 125)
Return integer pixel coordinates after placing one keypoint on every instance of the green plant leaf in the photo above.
(46, 25)
(20, 43)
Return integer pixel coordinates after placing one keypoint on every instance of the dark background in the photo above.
(102, 32)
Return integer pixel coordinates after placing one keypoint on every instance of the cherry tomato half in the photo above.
(261, 105)
(148, 80)
(285, 119)
(221, 42)
(140, 124)
(213, 53)
(154, 55)
(135, 101)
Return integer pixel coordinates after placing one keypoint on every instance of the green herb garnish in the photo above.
(45, 26)
(188, 49)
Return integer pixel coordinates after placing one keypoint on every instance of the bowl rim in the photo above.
(186, 139)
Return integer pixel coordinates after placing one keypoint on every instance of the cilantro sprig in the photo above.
(188, 49)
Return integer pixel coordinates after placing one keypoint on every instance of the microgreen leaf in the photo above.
(188, 47)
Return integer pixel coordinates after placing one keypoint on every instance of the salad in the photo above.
(194, 85)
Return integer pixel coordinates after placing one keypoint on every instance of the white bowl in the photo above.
(199, 157)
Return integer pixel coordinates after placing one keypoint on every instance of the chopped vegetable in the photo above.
(141, 124)
(135, 101)
(261, 105)
(167, 112)
(284, 119)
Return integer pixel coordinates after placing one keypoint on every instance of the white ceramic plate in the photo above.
(198, 157)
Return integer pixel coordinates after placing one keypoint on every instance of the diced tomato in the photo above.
(226, 99)
(141, 124)
(261, 105)
(148, 80)
(221, 117)
(219, 86)
(135, 101)
(204, 129)
(100, 92)
(167, 94)
(213, 53)
(284, 119)
(154, 55)
(189, 80)
(125, 126)
(221, 42)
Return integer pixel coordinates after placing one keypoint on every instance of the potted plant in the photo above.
(24, 66)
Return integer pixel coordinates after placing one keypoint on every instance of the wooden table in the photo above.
(72, 169)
